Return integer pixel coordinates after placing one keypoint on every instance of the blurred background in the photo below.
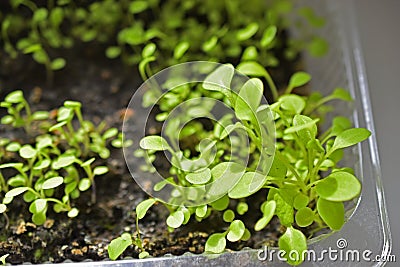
(378, 23)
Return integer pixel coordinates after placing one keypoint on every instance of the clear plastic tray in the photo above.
(367, 228)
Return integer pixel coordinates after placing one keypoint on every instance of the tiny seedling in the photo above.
(306, 184)
(61, 163)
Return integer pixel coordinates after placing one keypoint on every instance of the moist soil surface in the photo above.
(104, 87)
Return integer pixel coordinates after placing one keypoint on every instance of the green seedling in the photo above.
(306, 183)
(59, 165)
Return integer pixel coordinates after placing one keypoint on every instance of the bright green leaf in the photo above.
(143, 207)
(27, 152)
(216, 243)
(247, 32)
(304, 217)
(52, 182)
(100, 170)
(339, 186)
(154, 142)
(248, 184)
(175, 219)
(236, 231)
(201, 177)
(228, 216)
(84, 184)
(180, 49)
(332, 213)
(293, 240)
(119, 245)
(15, 192)
(350, 137)
(268, 36)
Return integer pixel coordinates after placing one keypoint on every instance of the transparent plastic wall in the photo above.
(367, 229)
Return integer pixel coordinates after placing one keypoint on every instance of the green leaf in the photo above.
(175, 219)
(15, 97)
(236, 231)
(249, 99)
(3, 208)
(64, 114)
(251, 68)
(154, 142)
(73, 213)
(7, 119)
(268, 212)
(299, 79)
(228, 216)
(17, 181)
(149, 50)
(300, 201)
(248, 184)
(318, 47)
(88, 162)
(138, 6)
(341, 94)
(339, 124)
(52, 182)
(332, 213)
(180, 49)
(216, 243)
(339, 186)
(38, 206)
(292, 103)
(39, 218)
(225, 175)
(143, 207)
(42, 164)
(40, 15)
(58, 63)
(201, 177)
(220, 204)
(293, 240)
(143, 255)
(201, 211)
(278, 169)
(63, 161)
(350, 137)
(84, 184)
(250, 53)
(113, 51)
(305, 127)
(209, 44)
(16, 191)
(220, 79)
(304, 217)
(242, 208)
(72, 104)
(13, 147)
(100, 170)
(40, 115)
(248, 32)
(57, 126)
(119, 245)
(268, 35)
(17, 166)
(284, 211)
(27, 152)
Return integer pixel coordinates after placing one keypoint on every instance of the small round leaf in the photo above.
(236, 231)
(52, 182)
(216, 243)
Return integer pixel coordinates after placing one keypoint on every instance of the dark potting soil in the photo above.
(104, 87)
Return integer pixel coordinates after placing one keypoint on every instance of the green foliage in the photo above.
(59, 165)
(307, 185)
(198, 30)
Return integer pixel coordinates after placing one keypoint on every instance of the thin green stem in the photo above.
(271, 85)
